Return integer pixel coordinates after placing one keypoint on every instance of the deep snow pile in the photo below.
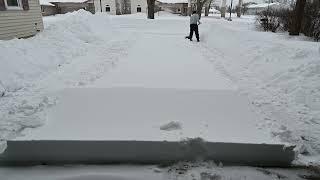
(280, 75)
(44, 53)
(70, 52)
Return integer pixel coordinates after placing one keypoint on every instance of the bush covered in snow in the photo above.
(280, 20)
(274, 20)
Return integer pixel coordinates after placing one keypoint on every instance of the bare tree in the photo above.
(223, 8)
(151, 6)
(239, 8)
(200, 4)
(118, 7)
(125, 6)
(297, 17)
(207, 7)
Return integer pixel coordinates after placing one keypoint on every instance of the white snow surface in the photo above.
(71, 52)
(280, 75)
(142, 114)
(179, 171)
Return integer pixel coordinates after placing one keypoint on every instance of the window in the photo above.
(107, 8)
(13, 4)
(138, 9)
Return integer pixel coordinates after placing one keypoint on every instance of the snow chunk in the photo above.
(3, 146)
(171, 126)
(2, 90)
(157, 170)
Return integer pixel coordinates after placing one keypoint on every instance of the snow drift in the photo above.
(279, 74)
(29, 59)
(27, 64)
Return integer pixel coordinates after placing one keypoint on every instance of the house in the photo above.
(173, 6)
(65, 6)
(254, 9)
(19, 18)
(179, 6)
(47, 8)
(52, 7)
(118, 7)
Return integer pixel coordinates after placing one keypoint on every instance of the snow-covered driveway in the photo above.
(279, 75)
(162, 58)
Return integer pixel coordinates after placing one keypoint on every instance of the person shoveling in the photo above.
(194, 22)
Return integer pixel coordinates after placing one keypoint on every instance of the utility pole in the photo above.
(230, 19)
(100, 6)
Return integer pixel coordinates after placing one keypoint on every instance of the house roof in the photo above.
(45, 3)
(173, 1)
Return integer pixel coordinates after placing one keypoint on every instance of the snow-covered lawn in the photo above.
(279, 75)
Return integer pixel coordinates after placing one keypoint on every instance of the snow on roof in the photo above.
(173, 1)
(262, 5)
(45, 3)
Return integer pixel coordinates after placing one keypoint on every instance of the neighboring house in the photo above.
(118, 7)
(179, 6)
(65, 6)
(52, 7)
(19, 18)
(174, 6)
(257, 8)
(48, 9)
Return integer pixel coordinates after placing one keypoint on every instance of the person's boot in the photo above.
(198, 40)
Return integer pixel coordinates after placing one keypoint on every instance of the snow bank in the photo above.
(29, 59)
(25, 63)
(280, 75)
(173, 125)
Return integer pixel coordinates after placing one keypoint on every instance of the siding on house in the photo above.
(21, 23)
(105, 3)
(112, 4)
(138, 3)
